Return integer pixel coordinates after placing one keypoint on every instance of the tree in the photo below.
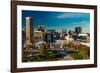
(64, 45)
(43, 50)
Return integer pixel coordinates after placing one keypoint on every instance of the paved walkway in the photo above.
(68, 58)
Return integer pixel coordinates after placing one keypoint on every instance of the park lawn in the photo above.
(76, 56)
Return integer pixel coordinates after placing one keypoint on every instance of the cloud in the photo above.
(70, 15)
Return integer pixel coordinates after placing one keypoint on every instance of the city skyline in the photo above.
(50, 42)
(58, 20)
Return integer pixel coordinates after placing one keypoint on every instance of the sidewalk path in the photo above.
(68, 58)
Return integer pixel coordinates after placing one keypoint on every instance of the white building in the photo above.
(83, 34)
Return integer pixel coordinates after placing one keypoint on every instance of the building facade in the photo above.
(38, 36)
(29, 30)
(78, 30)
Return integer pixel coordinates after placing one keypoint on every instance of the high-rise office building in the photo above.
(29, 30)
(78, 30)
(49, 36)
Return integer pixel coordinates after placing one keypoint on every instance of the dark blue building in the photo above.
(49, 36)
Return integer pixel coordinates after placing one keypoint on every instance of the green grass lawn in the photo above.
(79, 55)
(76, 56)
(49, 57)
